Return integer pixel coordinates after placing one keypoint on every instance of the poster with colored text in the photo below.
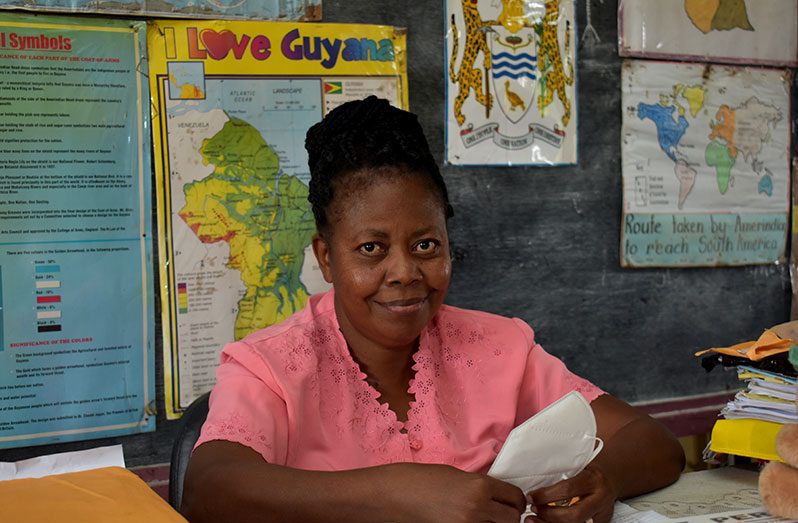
(76, 300)
(705, 163)
(309, 10)
(511, 82)
(231, 105)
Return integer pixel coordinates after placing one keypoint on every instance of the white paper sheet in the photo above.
(623, 513)
(757, 515)
(64, 462)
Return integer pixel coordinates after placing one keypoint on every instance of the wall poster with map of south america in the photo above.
(231, 105)
(755, 32)
(706, 164)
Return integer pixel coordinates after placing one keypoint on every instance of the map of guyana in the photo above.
(261, 213)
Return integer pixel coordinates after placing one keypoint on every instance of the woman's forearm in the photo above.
(639, 455)
(228, 482)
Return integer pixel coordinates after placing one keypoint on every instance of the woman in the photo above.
(379, 403)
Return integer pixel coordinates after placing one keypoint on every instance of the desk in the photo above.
(117, 495)
(102, 495)
(704, 492)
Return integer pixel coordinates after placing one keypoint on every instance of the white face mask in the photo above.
(555, 444)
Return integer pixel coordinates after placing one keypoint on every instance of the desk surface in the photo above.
(704, 492)
(118, 495)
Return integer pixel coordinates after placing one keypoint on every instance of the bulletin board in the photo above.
(541, 244)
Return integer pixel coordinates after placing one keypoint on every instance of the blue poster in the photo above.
(76, 316)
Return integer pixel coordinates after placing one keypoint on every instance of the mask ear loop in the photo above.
(599, 446)
(528, 512)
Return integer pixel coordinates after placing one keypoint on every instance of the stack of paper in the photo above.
(756, 414)
(768, 397)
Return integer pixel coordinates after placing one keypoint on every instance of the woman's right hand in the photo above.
(426, 493)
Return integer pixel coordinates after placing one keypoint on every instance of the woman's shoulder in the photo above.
(290, 343)
(456, 322)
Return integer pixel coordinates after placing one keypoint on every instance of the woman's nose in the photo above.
(402, 268)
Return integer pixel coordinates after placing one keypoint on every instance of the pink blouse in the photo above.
(293, 393)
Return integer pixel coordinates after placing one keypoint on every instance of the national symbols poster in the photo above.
(76, 300)
(232, 102)
(511, 87)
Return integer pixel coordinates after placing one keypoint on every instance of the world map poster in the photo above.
(705, 161)
(511, 82)
(760, 32)
(231, 105)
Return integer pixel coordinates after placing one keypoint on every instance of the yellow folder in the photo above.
(752, 438)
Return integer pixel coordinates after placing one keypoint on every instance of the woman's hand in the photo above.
(639, 456)
(443, 494)
(587, 496)
(230, 482)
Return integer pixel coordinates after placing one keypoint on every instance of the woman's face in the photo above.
(387, 256)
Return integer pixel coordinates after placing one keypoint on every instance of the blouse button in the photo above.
(416, 444)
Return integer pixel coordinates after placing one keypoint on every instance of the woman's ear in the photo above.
(322, 251)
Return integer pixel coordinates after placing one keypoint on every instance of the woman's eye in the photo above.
(370, 248)
(426, 246)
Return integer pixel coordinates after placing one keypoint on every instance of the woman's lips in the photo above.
(406, 306)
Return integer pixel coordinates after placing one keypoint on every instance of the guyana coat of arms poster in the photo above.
(511, 82)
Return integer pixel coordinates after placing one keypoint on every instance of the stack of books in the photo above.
(755, 415)
(769, 396)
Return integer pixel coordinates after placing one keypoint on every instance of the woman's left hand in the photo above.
(587, 497)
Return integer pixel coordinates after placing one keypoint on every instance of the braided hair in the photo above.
(361, 140)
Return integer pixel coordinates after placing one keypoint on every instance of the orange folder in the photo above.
(93, 496)
(768, 344)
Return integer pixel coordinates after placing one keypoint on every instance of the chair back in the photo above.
(190, 425)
